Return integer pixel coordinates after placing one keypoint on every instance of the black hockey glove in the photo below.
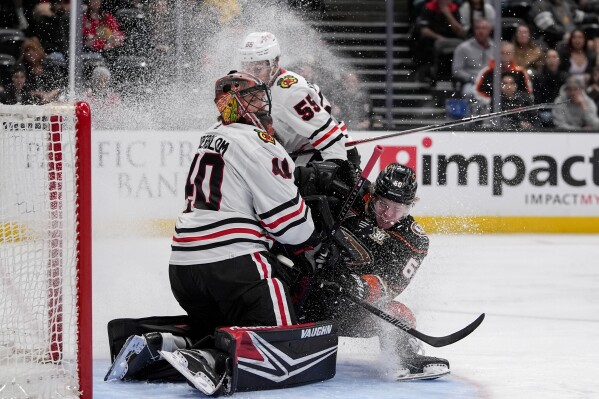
(322, 258)
(349, 283)
(334, 249)
(369, 287)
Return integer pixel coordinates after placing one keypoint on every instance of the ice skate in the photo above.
(138, 352)
(421, 367)
(414, 365)
(199, 368)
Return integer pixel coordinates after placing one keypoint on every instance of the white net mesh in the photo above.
(38, 253)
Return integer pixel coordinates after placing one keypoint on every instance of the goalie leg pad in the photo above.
(279, 357)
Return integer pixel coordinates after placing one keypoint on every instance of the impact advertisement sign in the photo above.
(501, 174)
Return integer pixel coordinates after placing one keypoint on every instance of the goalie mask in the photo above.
(260, 54)
(242, 98)
(393, 194)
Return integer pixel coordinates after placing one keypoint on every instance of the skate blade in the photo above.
(119, 367)
(432, 374)
(199, 380)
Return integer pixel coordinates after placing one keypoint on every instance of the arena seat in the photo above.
(11, 41)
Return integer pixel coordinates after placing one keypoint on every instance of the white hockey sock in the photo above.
(171, 343)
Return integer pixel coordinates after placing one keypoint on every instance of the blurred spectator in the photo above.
(437, 28)
(226, 10)
(100, 93)
(484, 82)
(471, 10)
(101, 31)
(18, 91)
(12, 15)
(162, 27)
(577, 111)
(557, 18)
(593, 89)
(589, 5)
(473, 55)
(163, 34)
(354, 109)
(576, 58)
(511, 98)
(140, 5)
(46, 82)
(51, 25)
(527, 54)
(547, 83)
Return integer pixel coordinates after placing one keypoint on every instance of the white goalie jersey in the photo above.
(302, 120)
(240, 198)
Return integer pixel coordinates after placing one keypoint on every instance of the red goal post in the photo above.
(45, 251)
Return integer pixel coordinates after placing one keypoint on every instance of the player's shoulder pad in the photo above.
(249, 137)
(413, 232)
(265, 141)
(292, 87)
(265, 137)
(289, 80)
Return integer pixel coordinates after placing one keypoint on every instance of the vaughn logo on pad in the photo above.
(316, 331)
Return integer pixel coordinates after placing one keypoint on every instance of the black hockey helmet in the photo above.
(397, 183)
(241, 97)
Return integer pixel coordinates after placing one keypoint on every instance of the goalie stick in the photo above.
(432, 341)
(439, 126)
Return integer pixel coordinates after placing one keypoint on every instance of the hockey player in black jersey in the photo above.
(384, 248)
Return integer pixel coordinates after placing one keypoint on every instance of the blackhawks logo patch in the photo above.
(264, 136)
(287, 81)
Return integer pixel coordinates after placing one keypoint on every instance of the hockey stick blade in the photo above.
(432, 341)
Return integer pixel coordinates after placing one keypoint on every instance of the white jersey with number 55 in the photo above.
(240, 198)
(302, 120)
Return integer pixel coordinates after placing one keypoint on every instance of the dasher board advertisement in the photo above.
(468, 181)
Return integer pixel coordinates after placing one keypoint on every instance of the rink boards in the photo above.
(468, 181)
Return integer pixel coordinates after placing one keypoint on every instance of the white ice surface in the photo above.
(540, 338)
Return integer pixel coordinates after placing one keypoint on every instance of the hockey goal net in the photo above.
(45, 251)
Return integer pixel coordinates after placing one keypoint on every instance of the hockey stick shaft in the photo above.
(459, 122)
(439, 126)
(432, 341)
(355, 191)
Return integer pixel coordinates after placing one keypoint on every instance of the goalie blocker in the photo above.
(254, 358)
